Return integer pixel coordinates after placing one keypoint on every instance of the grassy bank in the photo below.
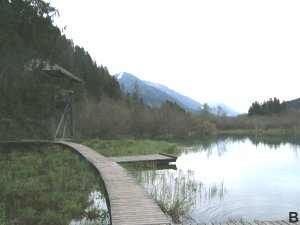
(47, 185)
(126, 147)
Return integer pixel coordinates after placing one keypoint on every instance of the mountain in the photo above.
(155, 94)
(293, 104)
(221, 108)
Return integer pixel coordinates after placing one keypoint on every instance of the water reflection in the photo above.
(97, 212)
(230, 179)
(262, 176)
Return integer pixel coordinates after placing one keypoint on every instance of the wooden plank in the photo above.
(158, 158)
(258, 222)
(270, 223)
(281, 222)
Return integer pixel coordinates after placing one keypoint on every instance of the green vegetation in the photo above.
(126, 147)
(272, 106)
(47, 185)
(27, 33)
(175, 195)
(287, 123)
(293, 104)
(115, 120)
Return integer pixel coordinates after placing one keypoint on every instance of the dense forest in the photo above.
(272, 106)
(27, 35)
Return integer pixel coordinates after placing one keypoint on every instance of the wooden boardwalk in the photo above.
(157, 158)
(128, 201)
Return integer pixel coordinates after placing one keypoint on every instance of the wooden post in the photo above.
(53, 122)
(71, 111)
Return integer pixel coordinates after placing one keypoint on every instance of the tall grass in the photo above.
(177, 193)
(174, 193)
(46, 185)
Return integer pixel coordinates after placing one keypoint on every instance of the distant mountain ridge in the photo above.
(221, 108)
(155, 94)
(293, 104)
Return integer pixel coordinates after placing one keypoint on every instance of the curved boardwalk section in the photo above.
(129, 202)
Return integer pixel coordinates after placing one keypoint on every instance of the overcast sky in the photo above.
(234, 52)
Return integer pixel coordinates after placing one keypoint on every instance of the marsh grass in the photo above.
(237, 219)
(125, 147)
(175, 192)
(46, 185)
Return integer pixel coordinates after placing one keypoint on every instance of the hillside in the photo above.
(27, 29)
(221, 108)
(293, 104)
(155, 94)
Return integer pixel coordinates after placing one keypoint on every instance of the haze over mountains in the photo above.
(154, 95)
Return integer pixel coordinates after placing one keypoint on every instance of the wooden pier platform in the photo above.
(156, 158)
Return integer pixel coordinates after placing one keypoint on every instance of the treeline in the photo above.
(272, 106)
(27, 33)
(130, 118)
(271, 116)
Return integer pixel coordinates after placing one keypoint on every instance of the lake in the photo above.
(232, 180)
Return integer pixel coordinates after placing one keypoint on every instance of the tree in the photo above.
(27, 33)
(272, 106)
(206, 111)
(136, 92)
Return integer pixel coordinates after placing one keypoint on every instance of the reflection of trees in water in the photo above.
(97, 211)
(295, 149)
(209, 146)
(274, 142)
(220, 143)
(177, 193)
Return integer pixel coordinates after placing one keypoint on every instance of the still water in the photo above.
(239, 179)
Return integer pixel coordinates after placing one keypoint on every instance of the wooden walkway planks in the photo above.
(157, 158)
(129, 202)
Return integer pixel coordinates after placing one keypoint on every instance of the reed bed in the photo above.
(177, 193)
